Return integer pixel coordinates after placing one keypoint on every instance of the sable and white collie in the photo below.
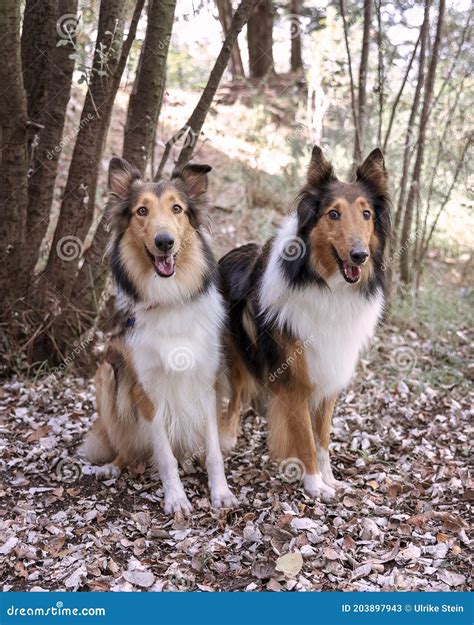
(301, 309)
(156, 390)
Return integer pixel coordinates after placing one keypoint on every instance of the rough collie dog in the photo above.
(301, 309)
(156, 390)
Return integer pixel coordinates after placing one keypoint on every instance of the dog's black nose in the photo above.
(164, 241)
(359, 255)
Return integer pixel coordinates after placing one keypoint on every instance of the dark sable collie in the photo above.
(156, 389)
(301, 309)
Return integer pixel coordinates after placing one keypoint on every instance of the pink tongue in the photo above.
(352, 272)
(165, 265)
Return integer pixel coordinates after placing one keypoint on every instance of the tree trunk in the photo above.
(77, 208)
(48, 77)
(355, 119)
(399, 94)
(260, 39)
(296, 60)
(146, 98)
(194, 125)
(405, 268)
(362, 90)
(407, 151)
(14, 157)
(224, 8)
(59, 303)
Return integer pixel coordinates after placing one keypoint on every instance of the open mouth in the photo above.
(164, 264)
(350, 273)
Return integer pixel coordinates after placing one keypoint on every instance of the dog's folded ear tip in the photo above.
(198, 168)
(115, 162)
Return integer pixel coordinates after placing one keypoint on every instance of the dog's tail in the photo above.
(97, 447)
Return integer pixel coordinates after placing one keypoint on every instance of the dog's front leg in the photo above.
(167, 465)
(322, 432)
(221, 495)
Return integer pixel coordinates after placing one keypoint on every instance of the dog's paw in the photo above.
(176, 501)
(331, 481)
(223, 498)
(227, 443)
(315, 487)
(107, 472)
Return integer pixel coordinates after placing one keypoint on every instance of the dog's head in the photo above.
(346, 224)
(157, 220)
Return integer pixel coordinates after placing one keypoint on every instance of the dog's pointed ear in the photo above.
(194, 178)
(372, 172)
(320, 171)
(121, 176)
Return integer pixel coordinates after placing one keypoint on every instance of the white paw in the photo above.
(223, 498)
(336, 484)
(107, 471)
(176, 501)
(227, 443)
(315, 487)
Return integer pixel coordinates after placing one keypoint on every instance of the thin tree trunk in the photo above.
(14, 156)
(405, 269)
(410, 132)
(296, 60)
(355, 119)
(48, 78)
(399, 94)
(362, 90)
(145, 100)
(77, 208)
(380, 70)
(260, 39)
(195, 123)
(224, 8)
(457, 171)
(420, 240)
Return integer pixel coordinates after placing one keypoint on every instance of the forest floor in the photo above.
(400, 444)
(401, 441)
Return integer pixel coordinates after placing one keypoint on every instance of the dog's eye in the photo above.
(367, 214)
(142, 211)
(334, 215)
(177, 209)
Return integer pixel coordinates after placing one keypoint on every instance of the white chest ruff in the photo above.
(333, 324)
(176, 354)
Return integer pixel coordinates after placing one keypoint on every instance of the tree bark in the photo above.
(380, 70)
(145, 100)
(224, 8)
(362, 89)
(195, 123)
(410, 132)
(14, 156)
(260, 39)
(77, 208)
(405, 268)
(355, 119)
(296, 60)
(399, 94)
(457, 171)
(420, 240)
(48, 78)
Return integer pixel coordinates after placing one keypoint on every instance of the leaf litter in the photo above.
(401, 525)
